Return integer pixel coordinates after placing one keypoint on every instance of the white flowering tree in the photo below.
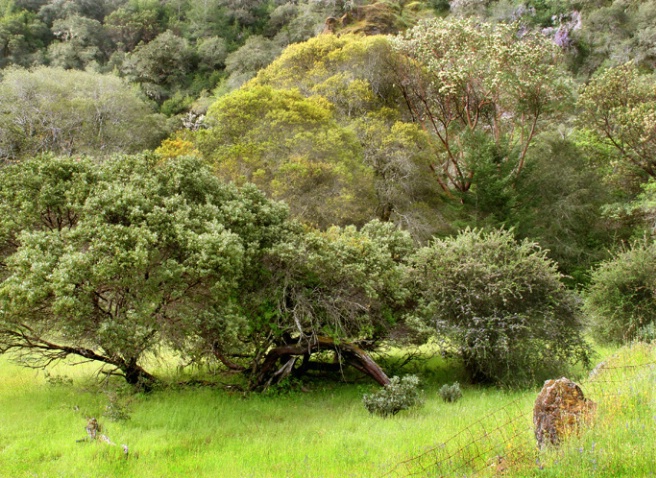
(479, 87)
(619, 107)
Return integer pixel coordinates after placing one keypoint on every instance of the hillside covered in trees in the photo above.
(286, 187)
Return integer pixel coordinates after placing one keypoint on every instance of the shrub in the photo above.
(399, 394)
(451, 393)
(499, 303)
(621, 300)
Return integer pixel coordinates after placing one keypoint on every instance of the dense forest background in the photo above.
(404, 139)
(183, 56)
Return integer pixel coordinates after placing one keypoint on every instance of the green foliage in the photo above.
(212, 53)
(642, 209)
(82, 42)
(559, 203)
(399, 154)
(53, 10)
(491, 197)
(23, 38)
(355, 76)
(398, 395)
(137, 253)
(450, 393)
(353, 72)
(161, 66)
(617, 32)
(619, 107)
(72, 112)
(343, 284)
(548, 12)
(118, 406)
(110, 261)
(251, 57)
(128, 26)
(647, 333)
(499, 303)
(57, 380)
(295, 22)
(178, 103)
(620, 302)
(284, 388)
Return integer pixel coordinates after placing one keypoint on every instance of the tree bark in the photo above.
(38, 352)
(136, 376)
(218, 353)
(268, 373)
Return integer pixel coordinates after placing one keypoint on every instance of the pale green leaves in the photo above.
(462, 78)
(122, 256)
(619, 106)
(500, 302)
(71, 112)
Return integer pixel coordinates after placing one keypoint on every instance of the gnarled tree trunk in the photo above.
(279, 361)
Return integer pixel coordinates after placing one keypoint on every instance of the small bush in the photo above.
(118, 406)
(451, 393)
(647, 333)
(57, 380)
(399, 394)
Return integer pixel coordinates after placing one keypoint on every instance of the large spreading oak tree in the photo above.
(109, 261)
(114, 261)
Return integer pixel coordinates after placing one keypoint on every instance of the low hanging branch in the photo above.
(223, 358)
(37, 352)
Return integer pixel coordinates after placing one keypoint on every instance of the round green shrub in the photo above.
(451, 393)
(621, 299)
(499, 304)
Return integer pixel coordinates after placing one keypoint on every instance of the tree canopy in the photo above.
(477, 84)
(293, 148)
(111, 261)
(619, 106)
(72, 112)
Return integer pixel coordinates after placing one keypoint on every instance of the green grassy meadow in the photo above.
(322, 432)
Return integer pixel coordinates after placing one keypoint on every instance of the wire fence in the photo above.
(504, 437)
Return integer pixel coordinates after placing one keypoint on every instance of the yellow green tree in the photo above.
(293, 148)
(356, 76)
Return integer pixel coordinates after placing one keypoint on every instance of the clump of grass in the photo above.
(56, 380)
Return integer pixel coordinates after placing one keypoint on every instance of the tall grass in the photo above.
(620, 442)
(212, 432)
(324, 432)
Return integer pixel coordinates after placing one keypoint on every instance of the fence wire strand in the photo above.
(505, 435)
